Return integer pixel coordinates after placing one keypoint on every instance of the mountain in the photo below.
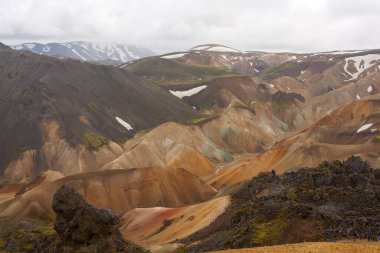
(76, 112)
(102, 52)
(246, 62)
(193, 142)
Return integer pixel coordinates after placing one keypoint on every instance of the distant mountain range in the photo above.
(104, 52)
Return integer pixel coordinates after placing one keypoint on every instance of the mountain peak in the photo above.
(106, 52)
(214, 48)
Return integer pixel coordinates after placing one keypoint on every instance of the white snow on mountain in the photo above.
(215, 48)
(173, 56)
(361, 63)
(124, 124)
(89, 51)
(222, 49)
(364, 127)
(188, 93)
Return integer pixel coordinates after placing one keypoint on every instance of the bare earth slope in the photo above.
(71, 107)
(120, 190)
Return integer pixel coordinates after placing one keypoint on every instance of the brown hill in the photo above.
(73, 107)
(334, 137)
(120, 190)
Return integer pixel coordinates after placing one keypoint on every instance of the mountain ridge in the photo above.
(103, 52)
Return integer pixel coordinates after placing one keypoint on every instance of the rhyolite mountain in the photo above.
(49, 106)
(169, 141)
(101, 52)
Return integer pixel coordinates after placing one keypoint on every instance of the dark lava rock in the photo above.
(82, 227)
(336, 200)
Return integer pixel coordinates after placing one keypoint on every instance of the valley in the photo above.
(208, 149)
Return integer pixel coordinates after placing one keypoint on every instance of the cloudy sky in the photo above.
(171, 25)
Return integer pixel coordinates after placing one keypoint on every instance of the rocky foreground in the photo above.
(333, 201)
(79, 227)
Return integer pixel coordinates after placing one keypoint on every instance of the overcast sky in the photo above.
(175, 25)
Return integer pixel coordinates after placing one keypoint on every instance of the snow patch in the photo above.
(173, 56)
(369, 89)
(46, 49)
(222, 49)
(364, 127)
(361, 63)
(188, 93)
(75, 52)
(357, 97)
(338, 52)
(224, 57)
(200, 48)
(124, 124)
(30, 45)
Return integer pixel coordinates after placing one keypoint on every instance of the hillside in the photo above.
(333, 201)
(349, 130)
(70, 105)
(142, 187)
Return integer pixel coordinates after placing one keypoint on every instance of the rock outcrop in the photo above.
(82, 227)
(333, 201)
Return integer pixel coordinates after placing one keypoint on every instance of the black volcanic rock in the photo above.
(336, 200)
(84, 228)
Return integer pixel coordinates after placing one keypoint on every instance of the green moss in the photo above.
(48, 232)
(270, 232)
(93, 140)
(204, 119)
(1, 242)
(321, 193)
(181, 249)
(22, 94)
(93, 106)
(280, 107)
(246, 101)
(21, 233)
(165, 70)
(29, 247)
(292, 195)
(239, 106)
(376, 138)
(273, 72)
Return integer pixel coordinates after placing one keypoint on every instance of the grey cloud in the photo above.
(174, 25)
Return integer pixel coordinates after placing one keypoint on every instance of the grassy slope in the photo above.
(164, 70)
